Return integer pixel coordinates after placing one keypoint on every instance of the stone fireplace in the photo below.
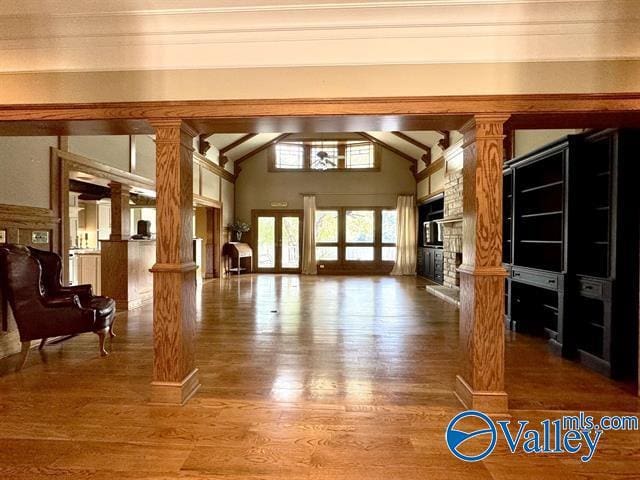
(452, 228)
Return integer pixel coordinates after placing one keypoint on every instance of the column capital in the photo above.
(484, 126)
(172, 130)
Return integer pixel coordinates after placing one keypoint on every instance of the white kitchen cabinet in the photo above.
(73, 219)
(104, 221)
(73, 269)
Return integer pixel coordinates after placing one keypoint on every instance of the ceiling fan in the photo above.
(326, 160)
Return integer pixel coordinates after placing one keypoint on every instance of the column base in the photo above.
(175, 393)
(493, 403)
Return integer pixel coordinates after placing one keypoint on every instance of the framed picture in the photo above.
(40, 236)
(3, 236)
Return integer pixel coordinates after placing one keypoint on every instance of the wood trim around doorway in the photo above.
(427, 105)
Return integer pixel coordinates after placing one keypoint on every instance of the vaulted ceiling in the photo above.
(404, 142)
(96, 35)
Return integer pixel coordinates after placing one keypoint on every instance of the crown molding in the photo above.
(97, 37)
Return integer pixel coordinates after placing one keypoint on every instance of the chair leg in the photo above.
(101, 336)
(24, 354)
(43, 342)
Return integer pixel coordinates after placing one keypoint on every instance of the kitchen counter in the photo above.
(125, 271)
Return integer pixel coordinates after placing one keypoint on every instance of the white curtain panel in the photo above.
(406, 250)
(309, 266)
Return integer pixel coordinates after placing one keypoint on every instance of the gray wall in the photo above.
(25, 170)
(257, 187)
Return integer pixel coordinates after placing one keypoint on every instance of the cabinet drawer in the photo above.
(594, 287)
(439, 254)
(537, 278)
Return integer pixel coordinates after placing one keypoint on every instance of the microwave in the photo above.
(431, 233)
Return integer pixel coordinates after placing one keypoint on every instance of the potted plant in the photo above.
(239, 227)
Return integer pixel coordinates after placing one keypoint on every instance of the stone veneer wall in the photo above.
(452, 232)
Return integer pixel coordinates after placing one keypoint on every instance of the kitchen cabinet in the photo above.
(104, 220)
(74, 208)
(88, 270)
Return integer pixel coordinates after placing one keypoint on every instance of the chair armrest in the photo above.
(61, 301)
(80, 290)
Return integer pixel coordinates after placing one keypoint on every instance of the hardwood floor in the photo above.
(302, 378)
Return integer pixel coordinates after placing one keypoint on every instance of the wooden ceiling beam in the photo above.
(223, 157)
(255, 151)
(412, 141)
(237, 143)
(388, 147)
(426, 157)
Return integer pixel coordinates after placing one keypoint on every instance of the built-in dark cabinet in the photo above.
(604, 258)
(535, 209)
(431, 263)
(430, 254)
(570, 231)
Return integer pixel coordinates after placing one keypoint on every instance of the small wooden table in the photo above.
(237, 251)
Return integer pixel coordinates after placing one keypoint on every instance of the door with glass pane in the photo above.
(278, 240)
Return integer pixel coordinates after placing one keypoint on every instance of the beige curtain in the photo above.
(309, 266)
(406, 237)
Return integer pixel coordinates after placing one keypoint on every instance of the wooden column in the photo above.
(120, 212)
(480, 385)
(175, 376)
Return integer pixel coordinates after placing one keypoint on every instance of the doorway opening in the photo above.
(208, 230)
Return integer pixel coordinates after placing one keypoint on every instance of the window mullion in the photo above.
(342, 212)
(307, 157)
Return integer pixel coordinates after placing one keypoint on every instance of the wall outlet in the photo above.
(322, 265)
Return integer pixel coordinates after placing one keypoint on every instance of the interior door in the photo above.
(278, 242)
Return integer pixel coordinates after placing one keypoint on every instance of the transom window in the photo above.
(359, 155)
(325, 155)
(290, 155)
(365, 234)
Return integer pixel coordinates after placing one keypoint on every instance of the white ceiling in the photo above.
(71, 35)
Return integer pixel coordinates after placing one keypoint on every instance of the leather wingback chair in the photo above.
(51, 265)
(42, 307)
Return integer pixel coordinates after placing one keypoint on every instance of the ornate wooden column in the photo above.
(175, 376)
(480, 385)
(120, 212)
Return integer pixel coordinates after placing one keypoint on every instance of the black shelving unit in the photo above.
(507, 236)
(430, 256)
(571, 246)
(605, 260)
(538, 207)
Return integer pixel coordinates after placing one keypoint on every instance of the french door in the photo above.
(278, 240)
